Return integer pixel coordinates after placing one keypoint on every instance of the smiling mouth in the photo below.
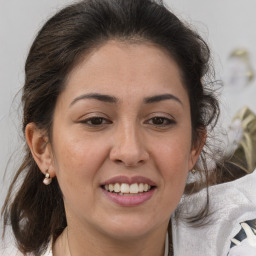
(125, 189)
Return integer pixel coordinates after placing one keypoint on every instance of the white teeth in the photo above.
(141, 187)
(111, 187)
(145, 187)
(134, 188)
(117, 187)
(125, 188)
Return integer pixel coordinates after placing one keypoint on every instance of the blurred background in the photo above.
(227, 26)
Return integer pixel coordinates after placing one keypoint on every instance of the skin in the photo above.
(127, 141)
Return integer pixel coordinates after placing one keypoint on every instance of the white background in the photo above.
(225, 24)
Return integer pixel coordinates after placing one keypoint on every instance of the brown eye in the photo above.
(158, 120)
(95, 121)
(161, 121)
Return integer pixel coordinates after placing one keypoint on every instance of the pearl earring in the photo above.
(47, 180)
(193, 171)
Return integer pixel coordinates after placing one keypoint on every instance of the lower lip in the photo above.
(129, 200)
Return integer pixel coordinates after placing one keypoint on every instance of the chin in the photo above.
(132, 228)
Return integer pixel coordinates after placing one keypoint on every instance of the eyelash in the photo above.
(86, 121)
(164, 121)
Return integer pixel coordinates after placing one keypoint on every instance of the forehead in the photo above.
(131, 68)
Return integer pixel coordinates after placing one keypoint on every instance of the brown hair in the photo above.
(37, 212)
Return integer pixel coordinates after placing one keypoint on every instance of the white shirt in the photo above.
(232, 223)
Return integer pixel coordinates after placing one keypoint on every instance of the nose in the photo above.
(128, 147)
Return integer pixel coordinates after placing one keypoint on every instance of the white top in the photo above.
(232, 225)
(49, 250)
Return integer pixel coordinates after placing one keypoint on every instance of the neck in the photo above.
(75, 242)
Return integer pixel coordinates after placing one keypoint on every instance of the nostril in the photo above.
(118, 161)
(128, 158)
(129, 163)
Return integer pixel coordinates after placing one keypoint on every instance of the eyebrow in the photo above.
(112, 99)
(95, 96)
(161, 97)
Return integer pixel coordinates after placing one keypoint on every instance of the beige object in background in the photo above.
(244, 155)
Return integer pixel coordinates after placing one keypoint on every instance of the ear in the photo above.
(40, 148)
(197, 148)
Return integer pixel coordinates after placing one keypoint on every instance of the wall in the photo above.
(226, 25)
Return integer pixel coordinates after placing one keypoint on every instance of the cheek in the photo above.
(174, 154)
(173, 162)
(174, 167)
(77, 161)
(76, 152)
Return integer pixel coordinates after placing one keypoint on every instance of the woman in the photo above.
(115, 117)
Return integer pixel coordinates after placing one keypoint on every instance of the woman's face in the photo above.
(123, 123)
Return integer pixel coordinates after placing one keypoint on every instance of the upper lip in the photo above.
(129, 180)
